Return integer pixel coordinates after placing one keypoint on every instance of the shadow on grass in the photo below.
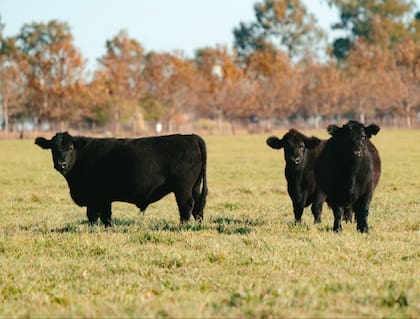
(75, 227)
(220, 224)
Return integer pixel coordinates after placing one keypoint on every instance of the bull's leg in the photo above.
(338, 215)
(185, 203)
(298, 207)
(348, 214)
(316, 207)
(197, 211)
(361, 209)
(92, 215)
(362, 223)
(105, 214)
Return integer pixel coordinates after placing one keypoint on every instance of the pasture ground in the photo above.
(247, 259)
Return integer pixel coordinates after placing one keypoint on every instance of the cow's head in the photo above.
(63, 148)
(353, 135)
(294, 144)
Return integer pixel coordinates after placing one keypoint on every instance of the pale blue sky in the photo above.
(159, 25)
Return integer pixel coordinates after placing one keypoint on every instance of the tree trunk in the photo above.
(220, 121)
(6, 116)
(407, 109)
(233, 126)
(116, 124)
(362, 116)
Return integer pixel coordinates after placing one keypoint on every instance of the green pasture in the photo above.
(247, 259)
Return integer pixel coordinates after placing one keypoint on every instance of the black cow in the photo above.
(348, 170)
(140, 171)
(300, 153)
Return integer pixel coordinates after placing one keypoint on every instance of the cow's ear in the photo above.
(43, 143)
(311, 142)
(333, 129)
(79, 142)
(275, 142)
(372, 129)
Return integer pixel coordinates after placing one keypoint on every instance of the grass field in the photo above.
(247, 259)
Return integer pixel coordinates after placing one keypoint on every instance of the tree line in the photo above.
(281, 67)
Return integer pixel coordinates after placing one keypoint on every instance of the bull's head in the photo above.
(354, 136)
(294, 144)
(63, 147)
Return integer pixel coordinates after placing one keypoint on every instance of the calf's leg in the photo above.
(338, 215)
(316, 207)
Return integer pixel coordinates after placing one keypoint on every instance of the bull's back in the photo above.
(132, 169)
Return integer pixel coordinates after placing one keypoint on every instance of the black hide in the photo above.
(140, 171)
(300, 153)
(348, 170)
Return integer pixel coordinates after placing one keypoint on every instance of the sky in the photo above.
(159, 25)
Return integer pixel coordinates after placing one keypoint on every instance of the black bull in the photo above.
(348, 169)
(140, 171)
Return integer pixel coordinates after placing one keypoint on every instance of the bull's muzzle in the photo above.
(62, 165)
(295, 160)
(358, 153)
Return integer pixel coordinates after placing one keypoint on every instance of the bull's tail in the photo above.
(200, 199)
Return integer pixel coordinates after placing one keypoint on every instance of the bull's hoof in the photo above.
(108, 224)
(363, 229)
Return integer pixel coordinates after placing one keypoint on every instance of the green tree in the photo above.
(380, 23)
(280, 24)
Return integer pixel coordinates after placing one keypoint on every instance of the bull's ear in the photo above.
(311, 142)
(43, 143)
(333, 129)
(275, 142)
(372, 129)
(79, 142)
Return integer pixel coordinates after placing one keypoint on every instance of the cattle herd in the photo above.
(342, 170)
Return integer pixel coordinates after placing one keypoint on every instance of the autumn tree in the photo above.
(414, 28)
(215, 66)
(405, 90)
(55, 71)
(170, 79)
(12, 86)
(324, 91)
(230, 93)
(277, 87)
(120, 71)
(282, 24)
(367, 71)
(380, 23)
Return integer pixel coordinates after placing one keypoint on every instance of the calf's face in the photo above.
(353, 136)
(62, 149)
(294, 145)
